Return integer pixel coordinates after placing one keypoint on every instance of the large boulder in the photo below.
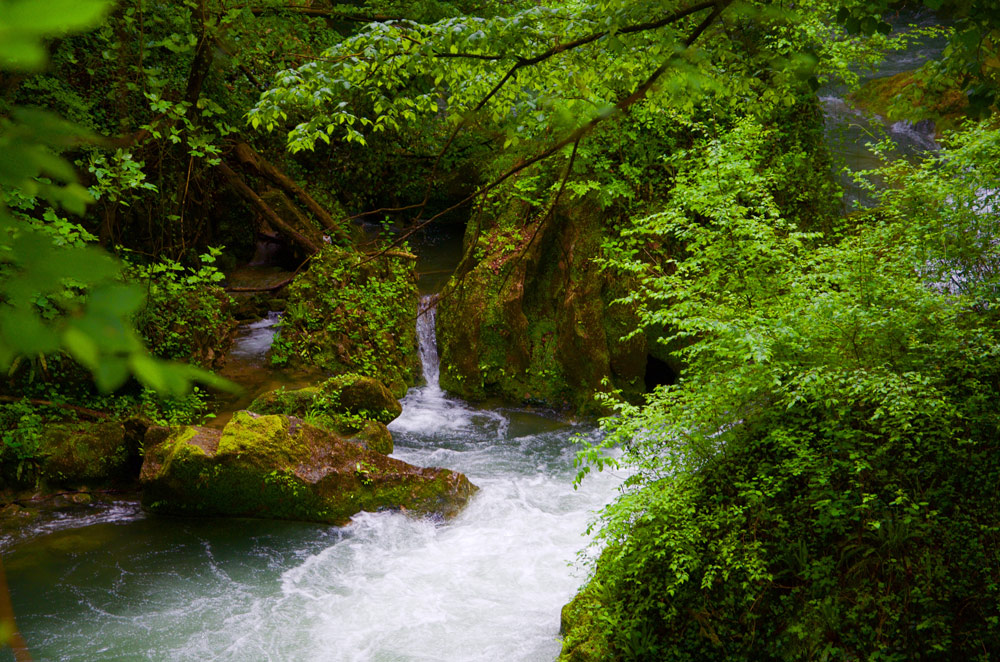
(281, 467)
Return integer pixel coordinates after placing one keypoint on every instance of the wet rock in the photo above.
(362, 396)
(277, 466)
(350, 405)
(376, 437)
(101, 453)
(295, 402)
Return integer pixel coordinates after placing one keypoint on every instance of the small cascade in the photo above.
(254, 340)
(427, 410)
(427, 340)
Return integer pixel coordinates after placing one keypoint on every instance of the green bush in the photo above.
(348, 314)
(822, 482)
(187, 315)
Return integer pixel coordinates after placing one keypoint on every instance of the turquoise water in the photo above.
(487, 585)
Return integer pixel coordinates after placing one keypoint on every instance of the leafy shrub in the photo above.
(187, 315)
(347, 314)
(822, 482)
(21, 434)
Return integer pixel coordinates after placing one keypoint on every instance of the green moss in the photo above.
(271, 466)
(345, 404)
(528, 320)
(90, 454)
(375, 436)
(294, 403)
(584, 639)
(260, 439)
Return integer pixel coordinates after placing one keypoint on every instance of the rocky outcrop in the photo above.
(77, 455)
(529, 314)
(350, 405)
(278, 466)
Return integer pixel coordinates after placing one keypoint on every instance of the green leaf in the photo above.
(25, 332)
(111, 373)
(116, 300)
(82, 347)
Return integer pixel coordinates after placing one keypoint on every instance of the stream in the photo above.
(848, 130)
(487, 585)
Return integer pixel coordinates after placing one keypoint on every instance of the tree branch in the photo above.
(91, 413)
(575, 136)
(319, 11)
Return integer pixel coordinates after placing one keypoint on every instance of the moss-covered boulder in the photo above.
(350, 405)
(349, 394)
(281, 467)
(78, 454)
(362, 396)
(295, 402)
(374, 436)
(529, 315)
(352, 313)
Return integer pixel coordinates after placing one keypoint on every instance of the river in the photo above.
(487, 585)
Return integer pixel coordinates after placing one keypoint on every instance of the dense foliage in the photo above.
(822, 481)
(350, 313)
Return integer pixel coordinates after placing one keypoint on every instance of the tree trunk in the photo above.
(252, 159)
(272, 217)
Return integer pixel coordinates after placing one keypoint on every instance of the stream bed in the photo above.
(487, 585)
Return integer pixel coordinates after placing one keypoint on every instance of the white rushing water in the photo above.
(255, 339)
(487, 585)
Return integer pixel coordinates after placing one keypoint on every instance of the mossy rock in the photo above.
(351, 394)
(580, 626)
(346, 404)
(89, 453)
(528, 317)
(362, 396)
(281, 467)
(296, 402)
(376, 437)
(352, 314)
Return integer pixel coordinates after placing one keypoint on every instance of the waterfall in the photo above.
(427, 340)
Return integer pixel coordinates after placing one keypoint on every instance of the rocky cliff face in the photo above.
(529, 315)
